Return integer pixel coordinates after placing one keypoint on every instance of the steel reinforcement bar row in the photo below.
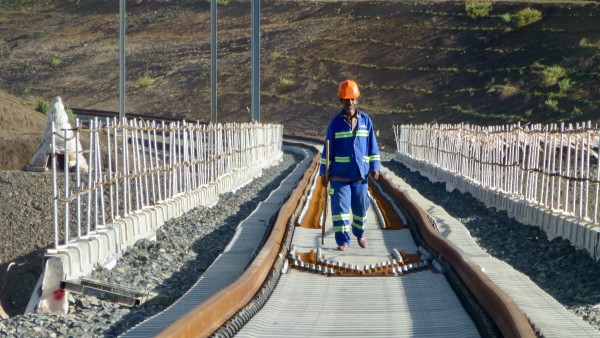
(229, 309)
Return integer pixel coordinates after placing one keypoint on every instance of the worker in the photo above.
(353, 155)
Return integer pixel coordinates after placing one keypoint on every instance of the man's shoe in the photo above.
(343, 247)
(362, 242)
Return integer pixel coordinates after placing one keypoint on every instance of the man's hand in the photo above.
(375, 174)
(324, 180)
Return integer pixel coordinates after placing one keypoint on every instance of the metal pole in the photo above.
(122, 58)
(213, 61)
(256, 60)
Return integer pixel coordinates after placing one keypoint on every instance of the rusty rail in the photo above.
(210, 315)
(509, 318)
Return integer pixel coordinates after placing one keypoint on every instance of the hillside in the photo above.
(416, 62)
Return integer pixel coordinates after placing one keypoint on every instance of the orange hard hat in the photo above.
(348, 90)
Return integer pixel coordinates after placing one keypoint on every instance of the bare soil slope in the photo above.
(416, 62)
(21, 129)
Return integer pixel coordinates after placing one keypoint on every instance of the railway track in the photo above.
(408, 282)
(411, 281)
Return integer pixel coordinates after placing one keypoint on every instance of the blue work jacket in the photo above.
(351, 154)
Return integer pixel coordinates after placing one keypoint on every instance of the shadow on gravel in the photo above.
(568, 274)
(207, 249)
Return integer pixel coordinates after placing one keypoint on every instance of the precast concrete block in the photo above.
(80, 257)
(161, 211)
(116, 244)
(93, 249)
(187, 203)
(579, 234)
(596, 242)
(136, 225)
(144, 226)
(101, 238)
(126, 231)
(546, 216)
(168, 208)
(151, 217)
(107, 244)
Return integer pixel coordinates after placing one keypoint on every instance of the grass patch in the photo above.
(478, 9)
(145, 82)
(506, 17)
(552, 75)
(275, 55)
(526, 17)
(55, 62)
(285, 85)
(507, 90)
(43, 106)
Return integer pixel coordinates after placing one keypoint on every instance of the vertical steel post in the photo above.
(122, 58)
(53, 158)
(255, 60)
(213, 61)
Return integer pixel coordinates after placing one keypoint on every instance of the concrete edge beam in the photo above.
(580, 233)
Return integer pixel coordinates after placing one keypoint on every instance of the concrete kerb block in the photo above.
(107, 244)
(161, 211)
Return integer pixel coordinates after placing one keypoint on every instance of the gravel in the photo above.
(186, 246)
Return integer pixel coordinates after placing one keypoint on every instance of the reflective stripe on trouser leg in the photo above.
(359, 204)
(340, 211)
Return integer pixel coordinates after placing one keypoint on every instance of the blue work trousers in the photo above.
(349, 205)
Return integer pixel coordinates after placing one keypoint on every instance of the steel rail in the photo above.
(210, 315)
(509, 318)
(205, 319)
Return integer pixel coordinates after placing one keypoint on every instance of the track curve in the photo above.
(411, 298)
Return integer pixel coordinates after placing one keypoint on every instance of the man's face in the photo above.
(349, 105)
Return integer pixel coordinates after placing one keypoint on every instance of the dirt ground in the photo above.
(416, 62)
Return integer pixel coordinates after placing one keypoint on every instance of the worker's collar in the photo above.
(356, 114)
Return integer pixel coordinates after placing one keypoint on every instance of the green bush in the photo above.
(478, 9)
(526, 17)
(551, 75)
(285, 85)
(506, 17)
(564, 84)
(43, 106)
(55, 62)
(145, 81)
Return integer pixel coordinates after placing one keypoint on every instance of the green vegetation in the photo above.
(551, 75)
(70, 114)
(285, 85)
(564, 85)
(43, 106)
(275, 55)
(526, 17)
(55, 62)
(220, 2)
(478, 9)
(145, 82)
(506, 17)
